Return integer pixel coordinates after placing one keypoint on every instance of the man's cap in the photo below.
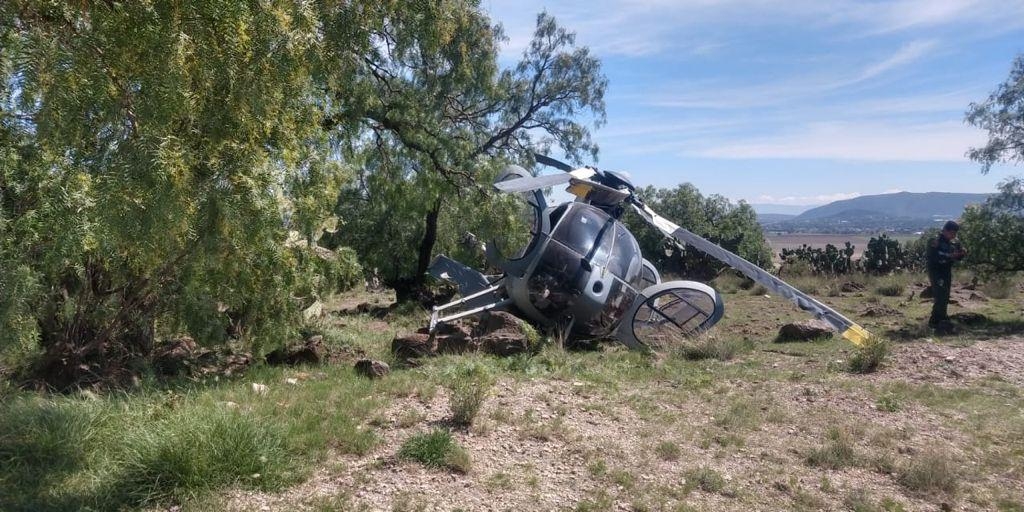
(951, 226)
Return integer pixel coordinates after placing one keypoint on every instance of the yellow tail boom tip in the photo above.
(857, 335)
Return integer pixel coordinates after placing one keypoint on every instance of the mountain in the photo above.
(784, 209)
(771, 218)
(909, 205)
(906, 212)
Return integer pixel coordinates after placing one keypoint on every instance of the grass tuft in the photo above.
(668, 451)
(436, 449)
(869, 357)
(705, 479)
(710, 346)
(469, 387)
(929, 472)
(837, 453)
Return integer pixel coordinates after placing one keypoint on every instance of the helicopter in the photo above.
(583, 272)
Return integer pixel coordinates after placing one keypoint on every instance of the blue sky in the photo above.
(800, 102)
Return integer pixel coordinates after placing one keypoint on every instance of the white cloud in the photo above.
(909, 53)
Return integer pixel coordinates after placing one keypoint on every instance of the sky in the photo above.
(798, 102)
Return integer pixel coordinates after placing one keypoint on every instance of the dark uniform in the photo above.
(942, 254)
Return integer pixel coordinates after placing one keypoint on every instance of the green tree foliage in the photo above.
(437, 119)
(153, 158)
(1002, 115)
(993, 233)
(733, 226)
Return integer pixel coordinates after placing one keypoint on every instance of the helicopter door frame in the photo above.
(626, 333)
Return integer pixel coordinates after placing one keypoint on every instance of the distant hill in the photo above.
(900, 212)
(928, 205)
(772, 218)
(785, 209)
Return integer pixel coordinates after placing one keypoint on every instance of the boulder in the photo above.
(413, 346)
(372, 369)
(851, 287)
(503, 334)
(174, 356)
(806, 330)
(312, 351)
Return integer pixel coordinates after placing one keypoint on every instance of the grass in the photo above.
(668, 451)
(705, 479)
(711, 346)
(436, 449)
(469, 386)
(838, 452)
(928, 472)
(869, 357)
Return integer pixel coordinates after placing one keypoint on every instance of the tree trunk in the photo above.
(413, 288)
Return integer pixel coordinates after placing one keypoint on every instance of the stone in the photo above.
(503, 334)
(413, 346)
(312, 351)
(806, 330)
(175, 356)
(372, 369)
(851, 287)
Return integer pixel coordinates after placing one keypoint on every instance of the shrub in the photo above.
(837, 453)
(869, 357)
(888, 402)
(929, 472)
(890, 290)
(436, 449)
(469, 386)
(667, 450)
(705, 479)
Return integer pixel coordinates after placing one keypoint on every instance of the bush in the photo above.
(436, 449)
(705, 479)
(885, 256)
(869, 357)
(837, 453)
(929, 472)
(890, 290)
(469, 387)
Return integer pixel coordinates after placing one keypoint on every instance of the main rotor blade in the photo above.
(537, 182)
(551, 162)
(849, 329)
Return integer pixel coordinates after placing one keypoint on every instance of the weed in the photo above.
(889, 402)
(890, 290)
(469, 387)
(869, 356)
(705, 479)
(837, 453)
(437, 449)
(667, 450)
(929, 472)
(710, 346)
(859, 500)
(600, 501)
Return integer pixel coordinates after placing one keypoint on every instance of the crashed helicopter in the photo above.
(583, 271)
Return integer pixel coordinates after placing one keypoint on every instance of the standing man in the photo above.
(943, 252)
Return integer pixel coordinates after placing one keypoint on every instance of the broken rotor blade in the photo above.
(551, 162)
(528, 184)
(849, 329)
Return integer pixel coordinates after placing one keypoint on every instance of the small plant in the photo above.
(837, 453)
(667, 450)
(890, 290)
(436, 449)
(859, 501)
(469, 387)
(888, 402)
(709, 346)
(869, 356)
(929, 472)
(705, 479)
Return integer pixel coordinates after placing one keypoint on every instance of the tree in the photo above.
(153, 158)
(1002, 115)
(437, 119)
(734, 227)
(993, 233)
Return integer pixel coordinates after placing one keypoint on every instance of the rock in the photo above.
(976, 296)
(312, 351)
(372, 369)
(503, 334)
(413, 346)
(969, 318)
(260, 389)
(880, 310)
(851, 287)
(454, 339)
(805, 331)
(174, 356)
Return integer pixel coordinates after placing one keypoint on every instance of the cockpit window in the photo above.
(580, 228)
